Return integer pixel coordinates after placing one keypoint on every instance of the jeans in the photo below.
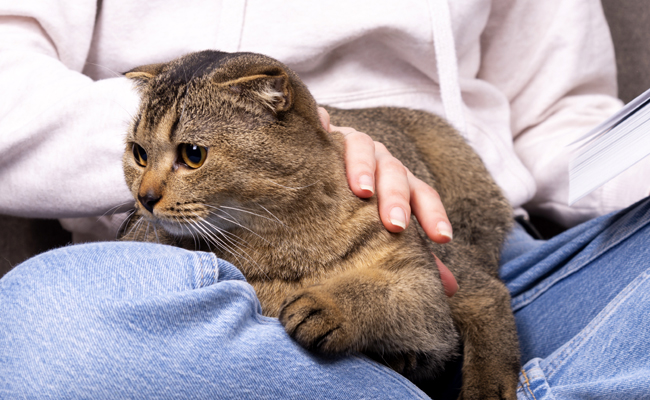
(147, 321)
(582, 308)
(138, 320)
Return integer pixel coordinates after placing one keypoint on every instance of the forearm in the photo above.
(61, 134)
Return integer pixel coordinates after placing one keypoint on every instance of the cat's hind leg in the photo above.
(487, 326)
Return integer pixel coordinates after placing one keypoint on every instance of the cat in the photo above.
(227, 152)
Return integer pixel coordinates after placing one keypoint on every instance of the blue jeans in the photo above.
(147, 321)
(582, 307)
(136, 320)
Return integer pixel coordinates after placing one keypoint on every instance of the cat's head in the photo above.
(218, 131)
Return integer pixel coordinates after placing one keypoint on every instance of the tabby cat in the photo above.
(228, 153)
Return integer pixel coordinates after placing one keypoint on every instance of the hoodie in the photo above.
(520, 80)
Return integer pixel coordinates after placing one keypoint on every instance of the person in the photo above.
(519, 79)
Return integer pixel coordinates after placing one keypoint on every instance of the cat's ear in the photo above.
(271, 89)
(275, 92)
(144, 73)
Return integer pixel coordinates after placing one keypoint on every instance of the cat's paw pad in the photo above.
(314, 320)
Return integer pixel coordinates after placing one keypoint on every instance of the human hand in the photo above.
(371, 168)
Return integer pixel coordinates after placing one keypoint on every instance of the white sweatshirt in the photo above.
(533, 75)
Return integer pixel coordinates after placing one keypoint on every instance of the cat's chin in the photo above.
(191, 230)
(175, 229)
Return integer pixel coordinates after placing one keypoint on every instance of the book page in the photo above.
(610, 148)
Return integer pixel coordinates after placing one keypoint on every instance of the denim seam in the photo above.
(202, 271)
(527, 384)
(525, 299)
(213, 268)
(627, 232)
(574, 344)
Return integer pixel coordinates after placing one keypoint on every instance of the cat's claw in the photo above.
(314, 320)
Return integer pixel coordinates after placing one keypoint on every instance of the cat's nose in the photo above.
(149, 200)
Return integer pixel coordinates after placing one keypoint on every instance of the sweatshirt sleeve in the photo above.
(554, 61)
(61, 133)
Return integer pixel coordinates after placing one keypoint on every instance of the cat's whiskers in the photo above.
(226, 235)
(247, 211)
(221, 238)
(245, 256)
(233, 221)
(146, 232)
(140, 227)
(242, 210)
(270, 213)
(212, 237)
(198, 222)
(234, 241)
(155, 231)
(125, 221)
(200, 232)
(135, 228)
(114, 209)
(138, 231)
(207, 241)
(191, 233)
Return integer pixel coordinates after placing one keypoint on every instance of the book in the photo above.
(610, 148)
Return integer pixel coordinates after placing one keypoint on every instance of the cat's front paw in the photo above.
(312, 317)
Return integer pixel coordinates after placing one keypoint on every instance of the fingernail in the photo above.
(365, 183)
(398, 217)
(444, 229)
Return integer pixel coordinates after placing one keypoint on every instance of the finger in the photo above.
(324, 117)
(360, 161)
(449, 282)
(393, 193)
(429, 210)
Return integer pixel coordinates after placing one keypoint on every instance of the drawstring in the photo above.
(447, 63)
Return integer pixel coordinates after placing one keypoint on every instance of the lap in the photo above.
(137, 319)
(127, 320)
(575, 298)
(607, 359)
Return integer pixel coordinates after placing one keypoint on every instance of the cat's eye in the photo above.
(193, 156)
(140, 155)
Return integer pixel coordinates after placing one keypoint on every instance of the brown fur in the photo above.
(272, 198)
